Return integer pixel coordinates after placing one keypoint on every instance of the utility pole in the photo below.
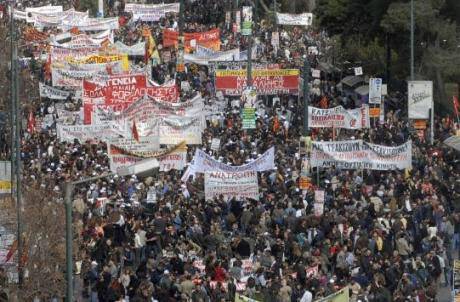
(412, 29)
(16, 141)
(306, 95)
(69, 240)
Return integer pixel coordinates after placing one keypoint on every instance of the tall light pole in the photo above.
(412, 29)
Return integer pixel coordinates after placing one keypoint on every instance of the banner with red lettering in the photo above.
(338, 117)
(265, 81)
(117, 92)
(209, 39)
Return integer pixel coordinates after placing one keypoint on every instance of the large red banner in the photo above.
(209, 39)
(265, 81)
(119, 91)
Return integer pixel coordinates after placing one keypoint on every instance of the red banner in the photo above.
(265, 81)
(209, 39)
(119, 91)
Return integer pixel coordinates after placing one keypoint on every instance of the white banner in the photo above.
(118, 159)
(356, 154)
(31, 12)
(92, 132)
(65, 117)
(375, 91)
(133, 50)
(83, 41)
(338, 117)
(304, 19)
(175, 129)
(52, 93)
(174, 161)
(92, 24)
(238, 185)
(203, 56)
(57, 18)
(420, 99)
(68, 77)
(61, 55)
(151, 12)
(203, 162)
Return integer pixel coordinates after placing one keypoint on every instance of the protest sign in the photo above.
(215, 144)
(246, 28)
(5, 177)
(420, 99)
(133, 50)
(375, 91)
(62, 55)
(52, 93)
(264, 81)
(209, 39)
(356, 154)
(31, 12)
(304, 19)
(203, 162)
(54, 19)
(249, 118)
(84, 133)
(70, 77)
(319, 202)
(338, 117)
(239, 185)
(151, 12)
(358, 71)
(206, 58)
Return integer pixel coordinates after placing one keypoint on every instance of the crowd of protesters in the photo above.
(387, 235)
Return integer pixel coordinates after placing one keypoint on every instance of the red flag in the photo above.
(31, 123)
(456, 105)
(47, 68)
(276, 124)
(134, 131)
(12, 250)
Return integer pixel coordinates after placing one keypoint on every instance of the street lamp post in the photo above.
(412, 29)
(68, 189)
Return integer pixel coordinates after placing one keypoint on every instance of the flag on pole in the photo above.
(456, 105)
(134, 132)
(151, 51)
(31, 123)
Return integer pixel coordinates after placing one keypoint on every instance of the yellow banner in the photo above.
(5, 186)
(258, 72)
(98, 59)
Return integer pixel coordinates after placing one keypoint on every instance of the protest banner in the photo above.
(249, 118)
(85, 133)
(135, 50)
(70, 77)
(206, 58)
(356, 154)
(174, 161)
(375, 91)
(209, 39)
(151, 12)
(264, 81)
(203, 162)
(239, 185)
(304, 19)
(31, 12)
(91, 24)
(215, 144)
(420, 99)
(53, 19)
(65, 117)
(174, 129)
(319, 203)
(5, 177)
(52, 93)
(119, 159)
(62, 55)
(338, 117)
(82, 41)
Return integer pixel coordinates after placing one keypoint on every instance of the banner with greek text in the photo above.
(41, 20)
(118, 159)
(135, 50)
(375, 91)
(203, 162)
(304, 19)
(52, 93)
(174, 161)
(91, 24)
(69, 77)
(206, 58)
(238, 185)
(173, 130)
(209, 39)
(357, 154)
(30, 12)
(420, 99)
(151, 12)
(92, 132)
(338, 117)
(265, 81)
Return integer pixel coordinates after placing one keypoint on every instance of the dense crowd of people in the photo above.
(387, 235)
